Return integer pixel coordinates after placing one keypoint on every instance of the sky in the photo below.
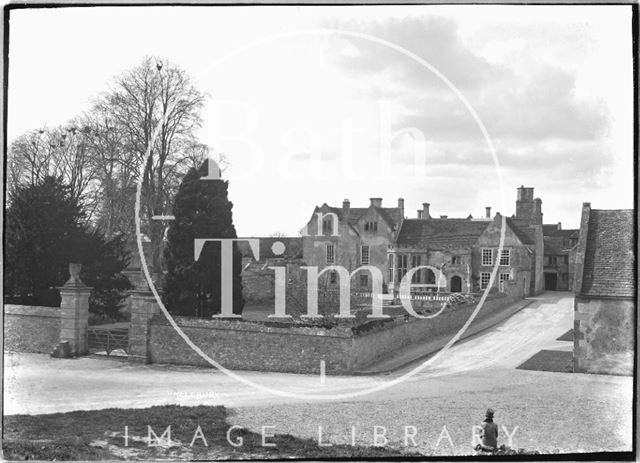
(452, 105)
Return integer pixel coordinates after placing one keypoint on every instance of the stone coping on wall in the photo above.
(338, 331)
(31, 310)
(253, 326)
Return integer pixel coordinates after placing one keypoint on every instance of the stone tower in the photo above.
(528, 208)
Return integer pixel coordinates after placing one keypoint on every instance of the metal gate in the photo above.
(109, 340)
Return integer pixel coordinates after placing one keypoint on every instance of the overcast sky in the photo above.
(305, 101)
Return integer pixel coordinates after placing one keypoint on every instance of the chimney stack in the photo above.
(488, 212)
(419, 213)
(377, 202)
(401, 206)
(443, 216)
(346, 208)
(559, 225)
(425, 211)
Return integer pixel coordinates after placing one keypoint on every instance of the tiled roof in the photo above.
(440, 233)
(552, 230)
(393, 215)
(609, 262)
(293, 248)
(522, 229)
(554, 245)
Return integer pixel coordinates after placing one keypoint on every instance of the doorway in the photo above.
(456, 284)
(551, 281)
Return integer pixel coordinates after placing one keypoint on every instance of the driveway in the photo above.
(563, 411)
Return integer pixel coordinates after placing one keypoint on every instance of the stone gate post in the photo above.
(74, 312)
(143, 306)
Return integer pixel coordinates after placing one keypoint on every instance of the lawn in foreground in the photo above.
(124, 434)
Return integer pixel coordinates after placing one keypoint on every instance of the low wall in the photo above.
(376, 345)
(246, 345)
(31, 328)
(603, 336)
(250, 346)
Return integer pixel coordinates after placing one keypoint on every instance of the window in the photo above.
(566, 259)
(505, 258)
(331, 258)
(456, 260)
(333, 277)
(364, 280)
(327, 226)
(416, 262)
(485, 278)
(504, 277)
(402, 266)
(487, 257)
(364, 255)
(430, 277)
(371, 226)
(390, 265)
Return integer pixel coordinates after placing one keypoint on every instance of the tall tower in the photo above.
(528, 208)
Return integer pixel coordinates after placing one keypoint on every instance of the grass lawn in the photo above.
(550, 360)
(100, 435)
(568, 336)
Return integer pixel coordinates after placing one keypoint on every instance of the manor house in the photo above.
(455, 254)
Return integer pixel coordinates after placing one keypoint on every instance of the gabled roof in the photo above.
(523, 230)
(392, 215)
(440, 233)
(293, 248)
(609, 261)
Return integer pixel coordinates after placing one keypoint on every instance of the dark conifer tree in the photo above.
(45, 231)
(202, 210)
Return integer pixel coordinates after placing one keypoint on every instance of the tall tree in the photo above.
(156, 108)
(202, 210)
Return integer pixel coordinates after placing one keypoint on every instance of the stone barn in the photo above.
(605, 287)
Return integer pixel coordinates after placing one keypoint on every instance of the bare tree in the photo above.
(61, 152)
(156, 108)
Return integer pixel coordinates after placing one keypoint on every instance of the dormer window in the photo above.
(371, 227)
(327, 226)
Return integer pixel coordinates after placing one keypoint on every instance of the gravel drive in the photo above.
(555, 412)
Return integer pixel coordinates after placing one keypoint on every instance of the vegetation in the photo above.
(144, 125)
(71, 189)
(45, 231)
(202, 210)
(99, 435)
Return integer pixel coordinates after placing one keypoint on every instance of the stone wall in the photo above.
(377, 344)
(245, 345)
(268, 346)
(603, 336)
(258, 283)
(31, 328)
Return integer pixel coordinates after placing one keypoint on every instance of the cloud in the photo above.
(530, 101)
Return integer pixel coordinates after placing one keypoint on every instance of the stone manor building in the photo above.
(454, 254)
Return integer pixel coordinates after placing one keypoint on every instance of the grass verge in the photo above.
(101, 435)
(550, 360)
